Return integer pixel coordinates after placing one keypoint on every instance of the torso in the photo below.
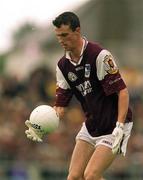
(100, 110)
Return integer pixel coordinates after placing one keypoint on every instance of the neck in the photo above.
(75, 53)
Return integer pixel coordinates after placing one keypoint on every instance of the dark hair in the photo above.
(67, 18)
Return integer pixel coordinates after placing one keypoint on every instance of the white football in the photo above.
(44, 118)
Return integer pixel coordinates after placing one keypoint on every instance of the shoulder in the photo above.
(106, 64)
(103, 54)
(62, 62)
(105, 57)
(94, 47)
(93, 50)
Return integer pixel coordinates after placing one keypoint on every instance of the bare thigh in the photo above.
(80, 158)
(101, 159)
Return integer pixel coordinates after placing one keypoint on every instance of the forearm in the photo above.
(123, 104)
(118, 132)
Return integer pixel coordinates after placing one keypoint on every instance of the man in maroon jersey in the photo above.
(89, 72)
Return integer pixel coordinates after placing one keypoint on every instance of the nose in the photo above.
(61, 41)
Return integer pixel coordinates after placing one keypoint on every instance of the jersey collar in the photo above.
(85, 42)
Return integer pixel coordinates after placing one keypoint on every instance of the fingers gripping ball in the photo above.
(44, 119)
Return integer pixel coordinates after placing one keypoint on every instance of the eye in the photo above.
(62, 35)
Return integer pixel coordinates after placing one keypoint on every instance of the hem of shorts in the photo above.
(84, 139)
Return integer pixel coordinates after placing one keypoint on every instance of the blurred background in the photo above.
(28, 56)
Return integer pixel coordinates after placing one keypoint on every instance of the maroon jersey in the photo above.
(95, 81)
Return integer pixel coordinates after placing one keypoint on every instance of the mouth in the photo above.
(64, 46)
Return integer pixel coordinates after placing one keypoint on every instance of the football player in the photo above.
(90, 73)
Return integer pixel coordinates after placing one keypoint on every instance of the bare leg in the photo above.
(99, 162)
(80, 158)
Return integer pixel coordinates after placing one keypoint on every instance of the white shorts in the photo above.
(106, 140)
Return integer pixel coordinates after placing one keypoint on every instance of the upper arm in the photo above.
(108, 73)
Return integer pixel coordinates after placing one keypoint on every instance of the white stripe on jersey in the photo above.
(61, 81)
(102, 66)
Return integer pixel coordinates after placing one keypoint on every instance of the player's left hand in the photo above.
(118, 133)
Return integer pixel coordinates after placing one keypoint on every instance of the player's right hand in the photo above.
(33, 133)
(60, 111)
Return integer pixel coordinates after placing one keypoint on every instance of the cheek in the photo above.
(70, 40)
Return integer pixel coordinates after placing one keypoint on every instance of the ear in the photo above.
(78, 30)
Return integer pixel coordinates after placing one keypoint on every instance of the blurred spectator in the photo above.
(19, 155)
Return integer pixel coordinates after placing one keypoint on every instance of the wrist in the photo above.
(120, 124)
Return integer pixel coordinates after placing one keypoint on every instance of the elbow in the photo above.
(124, 91)
(124, 94)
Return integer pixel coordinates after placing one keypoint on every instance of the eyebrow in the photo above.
(63, 34)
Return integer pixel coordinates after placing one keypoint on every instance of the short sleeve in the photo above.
(61, 82)
(63, 90)
(108, 73)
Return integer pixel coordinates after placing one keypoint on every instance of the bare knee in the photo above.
(89, 175)
(74, 176)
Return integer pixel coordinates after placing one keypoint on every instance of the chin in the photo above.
(67, 49)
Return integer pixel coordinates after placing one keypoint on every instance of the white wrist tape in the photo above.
(120, 125)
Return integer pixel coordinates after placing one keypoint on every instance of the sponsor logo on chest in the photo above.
(85, 88)
(79, 68)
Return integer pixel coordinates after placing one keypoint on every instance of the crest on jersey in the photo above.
(72, 77)
(110, 66)
(87, 70)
